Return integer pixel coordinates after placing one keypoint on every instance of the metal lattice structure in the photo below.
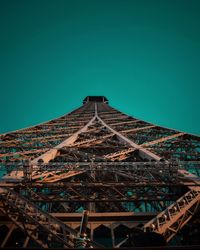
(124, 171)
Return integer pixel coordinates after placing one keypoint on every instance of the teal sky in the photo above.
(143, 55)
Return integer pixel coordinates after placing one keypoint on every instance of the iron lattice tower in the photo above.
(126, 172)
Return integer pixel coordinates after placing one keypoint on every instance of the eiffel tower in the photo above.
(97, 177)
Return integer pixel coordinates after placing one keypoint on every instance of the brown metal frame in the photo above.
(104, 160)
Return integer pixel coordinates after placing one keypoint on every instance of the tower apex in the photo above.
(95, 99)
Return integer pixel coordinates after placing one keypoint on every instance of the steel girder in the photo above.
(173, 218)
(38, 225)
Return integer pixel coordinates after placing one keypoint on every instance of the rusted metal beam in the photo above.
(137, 129)
(34, 218)
(124, 122)
(69, 141)
(171, 220)
(94, 141)
(111, 216)
(25, 152)
(147, 144)
(115, 118)
(145, 153)
(112, 156)
(180, 184)
(56, 176)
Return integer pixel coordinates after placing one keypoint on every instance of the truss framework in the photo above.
(99, 159)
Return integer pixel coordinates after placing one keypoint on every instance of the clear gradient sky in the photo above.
(143, 55)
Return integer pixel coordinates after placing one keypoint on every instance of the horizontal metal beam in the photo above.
(119, 153)
(137, 129)
(163, 139)
(98, 217)
(34, 151)
(124, 122)
(96, 165)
